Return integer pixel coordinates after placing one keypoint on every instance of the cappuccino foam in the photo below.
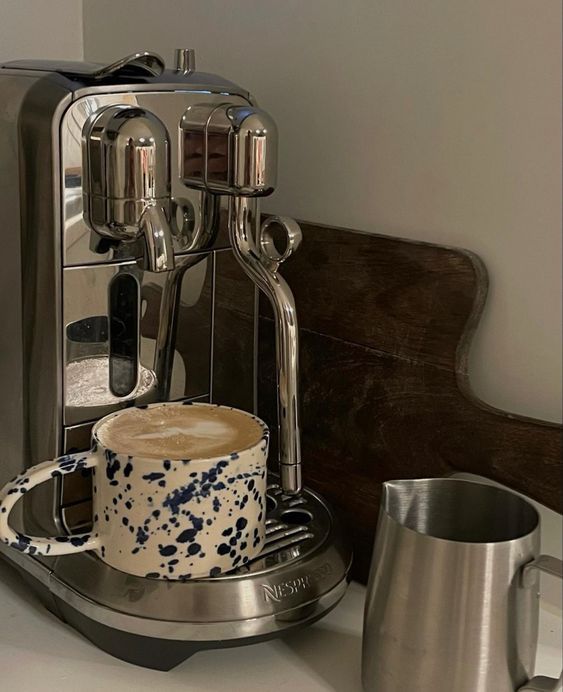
(179, 432)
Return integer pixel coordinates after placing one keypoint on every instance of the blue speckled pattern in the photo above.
(162, 519)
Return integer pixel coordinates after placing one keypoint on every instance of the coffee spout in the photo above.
(127, 181)
(159, 251)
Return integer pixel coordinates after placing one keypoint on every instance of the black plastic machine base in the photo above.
(148, 652)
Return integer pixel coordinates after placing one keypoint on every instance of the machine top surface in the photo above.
(140, 70)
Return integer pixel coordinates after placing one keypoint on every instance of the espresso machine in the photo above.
(130, 204)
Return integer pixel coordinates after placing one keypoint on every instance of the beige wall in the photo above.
(436, 120)
(49, 29)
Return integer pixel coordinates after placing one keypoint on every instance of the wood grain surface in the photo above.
(385, 327)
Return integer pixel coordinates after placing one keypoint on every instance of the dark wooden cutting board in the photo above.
(385, 328)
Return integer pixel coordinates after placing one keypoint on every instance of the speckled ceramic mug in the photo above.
(157, 517)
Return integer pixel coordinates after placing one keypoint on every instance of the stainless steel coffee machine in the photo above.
(129, 197)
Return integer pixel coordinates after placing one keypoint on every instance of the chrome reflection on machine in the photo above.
(125, 189)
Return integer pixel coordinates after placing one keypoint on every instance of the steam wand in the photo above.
(231, 150)
(261, 264)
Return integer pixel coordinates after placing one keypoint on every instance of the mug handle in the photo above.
(16, 488)
(530, 572)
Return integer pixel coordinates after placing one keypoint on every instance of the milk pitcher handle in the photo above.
(530, 573)
(15, 490)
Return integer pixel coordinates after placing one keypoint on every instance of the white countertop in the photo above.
(41, 654)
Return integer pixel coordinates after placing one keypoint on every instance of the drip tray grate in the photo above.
(294, 527)
(286, 530)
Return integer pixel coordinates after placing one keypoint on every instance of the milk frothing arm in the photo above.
(261, 265)
(231, 150)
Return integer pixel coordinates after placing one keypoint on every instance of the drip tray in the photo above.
(300, 575)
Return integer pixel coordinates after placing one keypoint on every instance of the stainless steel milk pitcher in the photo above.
(453, 595)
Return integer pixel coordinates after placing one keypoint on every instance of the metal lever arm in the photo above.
(261, 266)
(143, 62)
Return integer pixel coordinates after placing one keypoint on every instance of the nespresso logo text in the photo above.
(284, 589)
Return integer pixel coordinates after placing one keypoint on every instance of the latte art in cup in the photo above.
(179, 432)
